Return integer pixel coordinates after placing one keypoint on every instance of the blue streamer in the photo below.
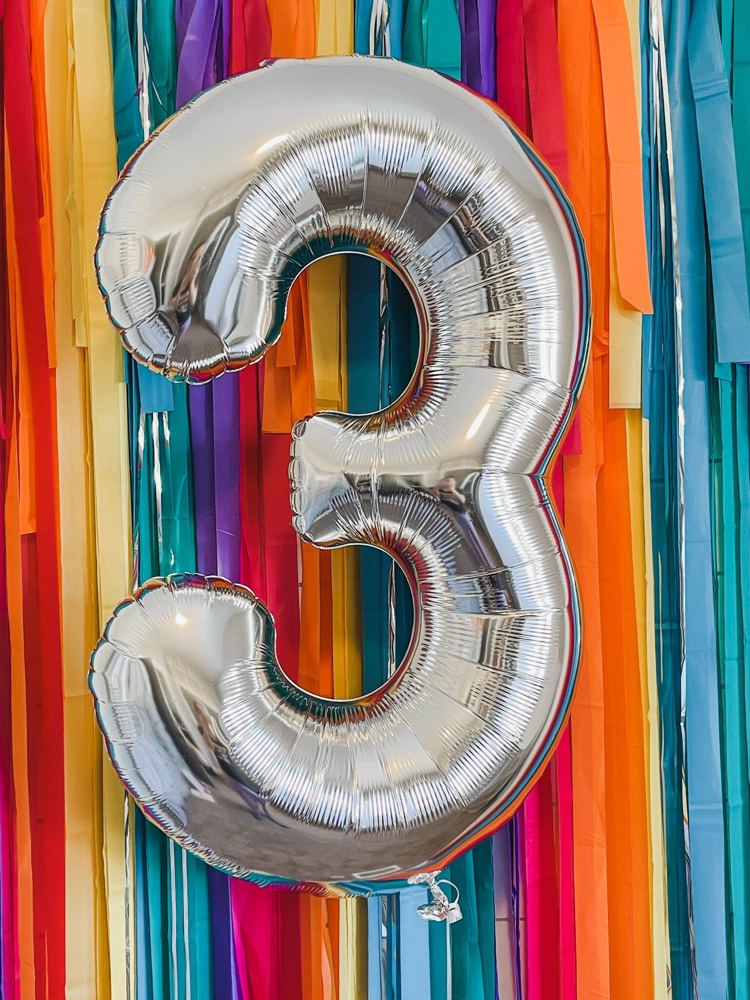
(704, 774)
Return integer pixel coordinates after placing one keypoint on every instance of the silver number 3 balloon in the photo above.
(201, 239)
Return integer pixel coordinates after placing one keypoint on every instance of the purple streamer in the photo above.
(226, 478)
(477, 21)
(197, 25)
(487, 44)
(202, 445)
(202, 29)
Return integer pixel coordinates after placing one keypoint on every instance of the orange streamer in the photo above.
(587, 188)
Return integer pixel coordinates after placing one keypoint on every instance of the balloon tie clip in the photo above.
(440, 907)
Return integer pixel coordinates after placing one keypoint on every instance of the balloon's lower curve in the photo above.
(200, 242)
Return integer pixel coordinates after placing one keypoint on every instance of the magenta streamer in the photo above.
(200, 400)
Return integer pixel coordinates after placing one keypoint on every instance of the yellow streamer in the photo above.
(83, 82)
(327, 287)
(87, 969)
(640, 506)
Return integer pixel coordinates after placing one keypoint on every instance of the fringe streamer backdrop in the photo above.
(626, 874)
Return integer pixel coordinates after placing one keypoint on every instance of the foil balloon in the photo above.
(201, 239)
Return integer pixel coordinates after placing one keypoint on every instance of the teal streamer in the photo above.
(710, 88)
(432, 35)
(730, 318)
(659, 394)
(728, 573)
(713, 306)
(736, 41)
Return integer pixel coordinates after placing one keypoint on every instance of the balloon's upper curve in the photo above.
(211, 224)
(200, 242)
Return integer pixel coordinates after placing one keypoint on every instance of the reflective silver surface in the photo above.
(201, 240)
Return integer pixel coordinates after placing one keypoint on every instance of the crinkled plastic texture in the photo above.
(201, 239)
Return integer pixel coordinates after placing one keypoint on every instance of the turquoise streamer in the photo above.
(693, 46)
(173, 939)
(736, 37)
(731, 343)
(660, 408)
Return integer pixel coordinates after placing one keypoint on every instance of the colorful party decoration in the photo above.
(624, 872)
(445, 480)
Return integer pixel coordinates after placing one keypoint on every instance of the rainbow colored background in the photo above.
(625, 874)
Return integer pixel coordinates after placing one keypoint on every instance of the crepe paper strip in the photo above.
(543, 118)
(624, 322)
(587, 188)
(9, 940)
(540, 878)
(21, 959)
(624, 348)
(169, 928)
(414, 979)
(267, 928)
(729, 583)
(705, 813)
(505, 934)
(478, 49)
(640, 520)
(623, 151)
(628, 835)
(561, 823)
(362, 14)
(96, 170)
(472, 951)
(739, 41)
(293, 29)
(710, 89)
(86, 968)
(8, 937)
(736, 41)
(327, 333)
(201, 409)
(545, 99)
(87, 971)
(626, 809)
(742, 425)
(353, 948)
(374, 946)
(200, 30)
(587, 723)
(729, 304)
(265, 970)
(286, 396)
(511, 63)
(335, 28)
(660, 406)
(363, 355)
(562, 765)
(431, 35)
(27, 198)
(664, 535)
(250, 35)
